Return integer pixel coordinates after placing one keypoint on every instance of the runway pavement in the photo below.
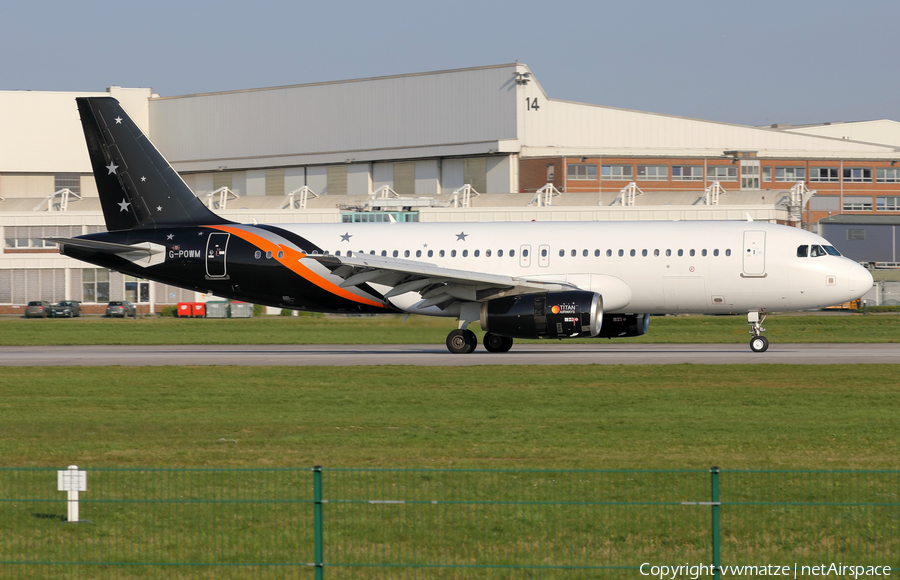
(551, 353)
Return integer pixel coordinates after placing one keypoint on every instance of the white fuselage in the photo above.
(645, 267)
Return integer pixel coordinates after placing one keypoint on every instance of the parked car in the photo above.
(66, 309)
(38, 309)
(120, 308)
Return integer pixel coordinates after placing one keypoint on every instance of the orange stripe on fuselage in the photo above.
(291, 261)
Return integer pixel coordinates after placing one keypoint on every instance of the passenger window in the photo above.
(656, 253)
(802, 251)
(596, 253)
(405, 253)
(668, 253)
(477, 253)
(703, 252)
(396, 253)
(384, 253)
(452, 253)
(680, 253)
(644, 253)
(441, 253)
(512, 253)
(430, 253)
(632, 252)
(487, 253)
(465, 253)
(257, 254)
(524, 253)
(499, 253)
(608, 253)
(727, 252)
(372, 252)
(269, 254)
(692, 252)
(584, 253)
(573, 253)
(715, 252)
(621, 253)
(418, 253)
(338, 253)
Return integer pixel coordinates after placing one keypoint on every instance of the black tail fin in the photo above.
(137, 186)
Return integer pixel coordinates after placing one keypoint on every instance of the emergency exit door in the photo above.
(216, 246)
(755, 253)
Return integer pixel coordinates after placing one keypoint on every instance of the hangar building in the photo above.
(475, 144)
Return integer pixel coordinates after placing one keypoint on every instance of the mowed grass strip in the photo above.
(389, 329)
(586, 417)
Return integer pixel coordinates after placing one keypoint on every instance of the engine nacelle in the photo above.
(623, 325)
(575, 314)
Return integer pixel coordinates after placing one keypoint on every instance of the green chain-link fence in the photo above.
(415, 523)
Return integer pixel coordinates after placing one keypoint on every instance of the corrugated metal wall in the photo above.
(406, 111)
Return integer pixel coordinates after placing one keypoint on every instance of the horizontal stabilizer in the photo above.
(107, 247)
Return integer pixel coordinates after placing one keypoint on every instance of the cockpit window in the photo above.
(832, 251)
(802, 251)
(816, 251)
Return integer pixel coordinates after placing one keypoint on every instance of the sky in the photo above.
(751, 63)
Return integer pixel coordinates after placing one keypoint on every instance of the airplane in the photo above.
(525, 280)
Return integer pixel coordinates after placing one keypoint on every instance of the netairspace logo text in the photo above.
(695, 571)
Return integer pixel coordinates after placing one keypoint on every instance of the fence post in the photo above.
(317, 522)
(714, 504)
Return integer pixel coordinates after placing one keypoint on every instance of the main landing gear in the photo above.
(758, 343)
(464, 341)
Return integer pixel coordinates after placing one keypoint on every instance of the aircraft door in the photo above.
(525, 256)
(544, 256)
(754, 253)
(216, 244)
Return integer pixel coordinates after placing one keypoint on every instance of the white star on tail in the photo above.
(118, 120)
(112, 168)
(159, 208)
(170, 236)
(123, 205)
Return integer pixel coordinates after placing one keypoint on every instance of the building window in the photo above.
(857, 175)
(653, 172)
(858, 204)
(31, 237)
(888, 175)
(551, 172)
(687, 173)
(824, 174)
(70, 181)
(888, 203)
(95, 285)
(616, 173)
(721, 173)
(790, 174)
(767, 173)
(582, 172)
(856, 234)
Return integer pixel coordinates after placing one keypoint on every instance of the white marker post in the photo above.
(72, 481)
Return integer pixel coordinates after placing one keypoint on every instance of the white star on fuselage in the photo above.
(112, 168)
(123, 205)
(118, 120)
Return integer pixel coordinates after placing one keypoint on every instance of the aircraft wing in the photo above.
(438, 286)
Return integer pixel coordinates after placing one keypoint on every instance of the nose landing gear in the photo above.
(758, 343)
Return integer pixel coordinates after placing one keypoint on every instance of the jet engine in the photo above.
(623, 325)
(575, 314)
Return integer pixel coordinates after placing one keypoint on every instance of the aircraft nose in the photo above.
(860, 281)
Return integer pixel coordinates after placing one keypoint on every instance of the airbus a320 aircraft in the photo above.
(519, 280)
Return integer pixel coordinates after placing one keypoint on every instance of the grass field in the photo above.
(679, 416)
(783, 328)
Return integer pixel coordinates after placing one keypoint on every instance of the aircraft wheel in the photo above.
(494, 343)
(461, 341)
(759, 344)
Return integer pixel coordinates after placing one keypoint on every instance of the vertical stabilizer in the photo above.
(137, 186)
